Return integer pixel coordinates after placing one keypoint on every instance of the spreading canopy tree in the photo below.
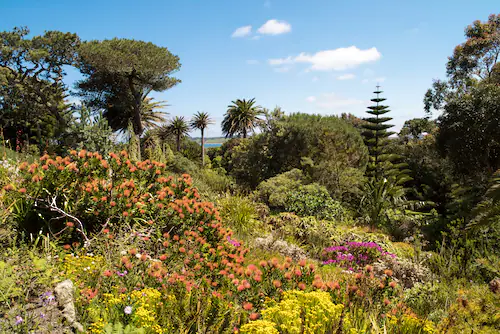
(474, 61)
(121, 73)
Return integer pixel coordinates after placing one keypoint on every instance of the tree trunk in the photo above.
(244, 133)
(138, 128)
(202, 148)
(178, 143)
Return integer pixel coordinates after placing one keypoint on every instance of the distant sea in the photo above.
(213, 144)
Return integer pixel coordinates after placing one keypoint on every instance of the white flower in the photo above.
(128, 309)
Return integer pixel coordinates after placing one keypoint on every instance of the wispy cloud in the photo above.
(275, 27)
(242, 32)
(332, 60)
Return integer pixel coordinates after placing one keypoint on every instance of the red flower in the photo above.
(247, 306)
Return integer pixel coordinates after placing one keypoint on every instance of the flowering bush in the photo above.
(299, 312)
(354, 255)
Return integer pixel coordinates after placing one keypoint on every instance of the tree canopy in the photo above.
(32, 92)
(121, 73)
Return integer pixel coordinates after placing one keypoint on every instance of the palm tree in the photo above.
(179, 128)
(200, 121)
(241, 118)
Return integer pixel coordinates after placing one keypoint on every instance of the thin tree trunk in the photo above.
(202, 148)
(244, 133)
(178, 143)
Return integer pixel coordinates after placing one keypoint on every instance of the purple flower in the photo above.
(128, 310)
(19, 320)
(122, 274)
(233, 242)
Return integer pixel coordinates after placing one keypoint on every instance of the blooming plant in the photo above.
(354, 255)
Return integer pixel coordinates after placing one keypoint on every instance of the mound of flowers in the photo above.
(143, 250)
(354, 255)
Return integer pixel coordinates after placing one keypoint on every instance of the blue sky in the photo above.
(314, 56)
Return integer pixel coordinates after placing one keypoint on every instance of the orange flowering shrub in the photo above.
(85, 193)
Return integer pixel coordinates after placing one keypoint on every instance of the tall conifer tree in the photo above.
(383, 164)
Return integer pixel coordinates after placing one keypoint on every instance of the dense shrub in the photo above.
(290, 192)
(334, 151)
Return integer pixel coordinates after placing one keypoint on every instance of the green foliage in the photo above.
(477, 57)
(327, 148)
(241, 118)
(416, 127)
(88, 132)
(431, 300)
(120, 73)
(179, 128)
(118, 328)
(240, 214)
(468, 133)
(382, 160)
(120, 115)
(32, 92)
(289, 192)
(275, 191)
(475, 310)
(314, 200)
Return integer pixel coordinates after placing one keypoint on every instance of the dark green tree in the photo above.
(241, 118)
(121, 73)
(469, 132)
(200, 121)
(382, 162)
(474, 61)
(383, 189)
(416, 127)
(119, 116)
(32, 92)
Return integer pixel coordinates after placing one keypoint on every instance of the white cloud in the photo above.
(314, 79)
(242, 31)
(335, 102)
(256, 37)
(275, 27)
(336, 59)
(347, 76)
(252, 62)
